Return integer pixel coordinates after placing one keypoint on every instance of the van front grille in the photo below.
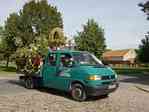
(109, 77)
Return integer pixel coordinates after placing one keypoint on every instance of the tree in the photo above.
(1, 37)
(38, 18)
(143, 52)
(7, 46)
(91, 38)
(35, 19)
(1, 34)
(145, 8)
(31, 27)
(10, 36)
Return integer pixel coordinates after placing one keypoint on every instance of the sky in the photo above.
(124, 24)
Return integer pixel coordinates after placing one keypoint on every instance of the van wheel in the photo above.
(29, 84)
(78, 92)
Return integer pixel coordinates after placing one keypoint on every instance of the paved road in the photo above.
(11, 85)
(128, 98)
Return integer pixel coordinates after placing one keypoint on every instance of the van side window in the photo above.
(52, 59)
(65, 60)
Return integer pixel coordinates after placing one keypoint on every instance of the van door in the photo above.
(63, 77)
(49, 69)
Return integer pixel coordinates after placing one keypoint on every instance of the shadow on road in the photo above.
(16, 82)
(134, 78)
(67, 95)
(46, 90)
(55, 92)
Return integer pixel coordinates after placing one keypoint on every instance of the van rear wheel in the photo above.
(78, 92)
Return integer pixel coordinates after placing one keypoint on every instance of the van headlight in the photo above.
(94, 77)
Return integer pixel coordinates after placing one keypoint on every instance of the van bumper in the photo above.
(102, 90)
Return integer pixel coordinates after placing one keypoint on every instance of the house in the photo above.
(126, 56)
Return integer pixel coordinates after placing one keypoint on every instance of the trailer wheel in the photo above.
(29, 84)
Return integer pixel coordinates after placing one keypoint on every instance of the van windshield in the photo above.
(87, 59)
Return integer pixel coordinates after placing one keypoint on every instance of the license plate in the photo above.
(112, 86)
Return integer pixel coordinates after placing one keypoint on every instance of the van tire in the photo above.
(29, 83)
(78, 92)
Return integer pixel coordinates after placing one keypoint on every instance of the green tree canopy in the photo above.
(91, 38)
(1, 45)
(35, 19)
(145, 8)
(30, 28)
(7, 45)
(143, 52)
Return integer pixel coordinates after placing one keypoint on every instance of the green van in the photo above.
(77, 72)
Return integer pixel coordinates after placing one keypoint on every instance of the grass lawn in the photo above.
(10, 71)
(132, 70)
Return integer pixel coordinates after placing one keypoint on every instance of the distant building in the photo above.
(127, 56)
